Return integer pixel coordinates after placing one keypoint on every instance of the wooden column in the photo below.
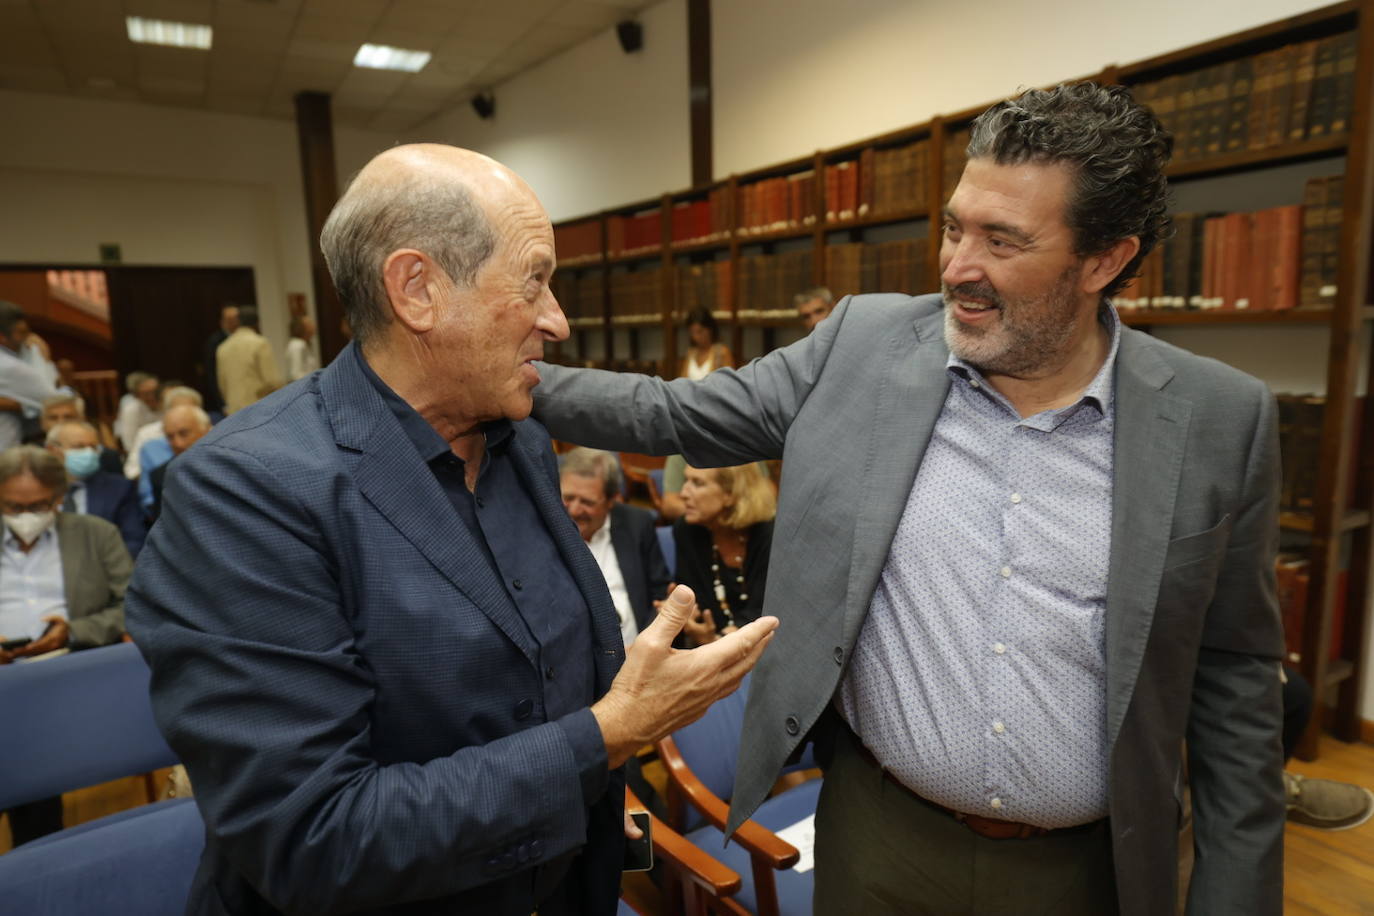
(699, 83)
(315, 128)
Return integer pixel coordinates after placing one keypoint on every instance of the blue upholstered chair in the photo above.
(75, 721)
(668, 546)
(701, 769)
(139, 861)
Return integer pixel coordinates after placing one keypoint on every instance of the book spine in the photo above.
(1304, 70)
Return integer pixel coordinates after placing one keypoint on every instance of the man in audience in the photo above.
(300, 356)
(428, 703)
(92, 491)
(62, 581)
(183, 426)
(1058, 553)
(22, 388)
(150, 447)
(228, 323)
(620, 537)
(814, 305)
(244, 363)
(62, 407)
(137, 408)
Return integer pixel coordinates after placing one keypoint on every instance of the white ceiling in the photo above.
(265, 51)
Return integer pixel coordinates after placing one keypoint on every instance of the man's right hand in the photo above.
(660, 689)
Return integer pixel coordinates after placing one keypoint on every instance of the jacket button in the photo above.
(548, 672)
(524, 708)
(839, 655)
(793, 726)
(517, 584)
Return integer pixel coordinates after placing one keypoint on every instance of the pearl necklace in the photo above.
(720, 586)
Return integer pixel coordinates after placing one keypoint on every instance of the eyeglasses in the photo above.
(10, 508)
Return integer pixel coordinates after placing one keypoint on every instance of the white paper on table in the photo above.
(802, 835)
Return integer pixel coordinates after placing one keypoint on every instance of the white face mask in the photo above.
(27, 526)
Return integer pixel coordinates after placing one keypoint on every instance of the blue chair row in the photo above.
(668, 546)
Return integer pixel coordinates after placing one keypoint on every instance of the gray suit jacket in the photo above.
(95, 572)
(1193, 631)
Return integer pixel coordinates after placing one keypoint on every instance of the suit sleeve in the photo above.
(1235, 753)
(259, 686)
(105, 626)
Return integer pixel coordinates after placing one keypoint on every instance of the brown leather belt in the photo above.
(989, 827)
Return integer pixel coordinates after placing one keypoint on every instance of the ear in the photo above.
(1101, 269)
(411, 279)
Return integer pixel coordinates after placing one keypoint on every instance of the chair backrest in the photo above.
(710, 745)
(668, 545)
(75, 721)
(136, 862)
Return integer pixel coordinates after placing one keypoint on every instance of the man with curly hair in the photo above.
(1054, 542)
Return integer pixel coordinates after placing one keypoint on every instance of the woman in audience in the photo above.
(723, 540)
(704, 353)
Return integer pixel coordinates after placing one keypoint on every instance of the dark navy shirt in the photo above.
(503, 518)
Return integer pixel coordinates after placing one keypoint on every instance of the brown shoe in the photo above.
(1327, 804)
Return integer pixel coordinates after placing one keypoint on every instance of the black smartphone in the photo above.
(11, 644)
(639, 854)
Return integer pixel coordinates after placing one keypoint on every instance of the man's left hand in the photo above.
(54, 637)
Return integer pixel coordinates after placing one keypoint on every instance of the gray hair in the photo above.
(822, 293)
(41, 463)
(199, 413)
(416, 209)
(134, 379)
(57, 400)
(594, 463)
(55, 434)
(181, 393)
(1116, 148)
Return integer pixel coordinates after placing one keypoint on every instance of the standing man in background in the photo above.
(1058, 554)
(228, 323)
(244, 363)
(300, 356)
(22, 388)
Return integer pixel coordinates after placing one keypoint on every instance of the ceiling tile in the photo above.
(250, 40)
(330, 28)
(243, 71)
(360, 10)
(247, 15)
(23, 51)
(196, 11)
(424, 16)
(234, 102)
(409, 39)
(32, 79)
(174, 63)
(591, 16)
(317, 49)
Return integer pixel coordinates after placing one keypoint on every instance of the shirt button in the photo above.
(998, 727)
(548, 672)
(1006, 572)
(1016, 497)
(973, 383)
(839, 655)
(523, 709)
(996, 803)
(517, 584)
(999, 648)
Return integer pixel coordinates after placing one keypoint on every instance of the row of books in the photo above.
(1298, 92)
(582, 294)
(955, 157)
(879, 183)
(767, 283)
(578, 241)
(637, 296)
(1300, 449)
(775, 204)
(637, 233)
(1294, 576)
(701, 220)
(705, 286)
(891, 267)
(1279, 258)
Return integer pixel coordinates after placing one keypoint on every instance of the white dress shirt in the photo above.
(31, 585)
(603, 551)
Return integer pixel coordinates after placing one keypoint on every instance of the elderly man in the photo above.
(62, 581)
(1058, 553)
(620, 537)
(244, 363)
(814, 306)
(182, 427)
(93, 491)
(378, 644)
(64, 406)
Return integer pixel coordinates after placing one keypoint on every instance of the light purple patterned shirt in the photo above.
(979, 677)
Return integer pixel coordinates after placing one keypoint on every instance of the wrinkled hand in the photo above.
(54, 637)
(660, 689)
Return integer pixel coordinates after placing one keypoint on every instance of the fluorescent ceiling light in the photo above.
(173, 34)
(381, 57)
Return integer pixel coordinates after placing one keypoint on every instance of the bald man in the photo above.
(396, 676)
(184, 424)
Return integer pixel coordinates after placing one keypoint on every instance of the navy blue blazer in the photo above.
(114, 498)
(641, 560)
(356, 698)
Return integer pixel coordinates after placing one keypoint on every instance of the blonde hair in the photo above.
(755, 500)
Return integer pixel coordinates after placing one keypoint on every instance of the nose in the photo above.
(552, 322)
(959, 263)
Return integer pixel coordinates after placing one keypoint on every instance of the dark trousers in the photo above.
(882, 852)
(35, 819)
(1297, 709)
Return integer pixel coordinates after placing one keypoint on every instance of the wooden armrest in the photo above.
(698, 866)
(754, 837)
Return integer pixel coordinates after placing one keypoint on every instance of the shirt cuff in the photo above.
(589, 753)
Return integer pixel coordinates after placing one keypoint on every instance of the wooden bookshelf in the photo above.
(1339, 523)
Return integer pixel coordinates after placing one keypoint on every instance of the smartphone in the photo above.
(11, 644)
(639, 854)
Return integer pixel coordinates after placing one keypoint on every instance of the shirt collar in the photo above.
(1100, 391)
(602, 535)
(427, 442)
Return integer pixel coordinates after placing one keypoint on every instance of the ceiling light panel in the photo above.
(171, 34)
(384, 57)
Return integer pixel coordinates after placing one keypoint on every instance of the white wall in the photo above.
(171, 186)
(594, 126)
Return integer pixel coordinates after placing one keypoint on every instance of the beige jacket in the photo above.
(245, 365)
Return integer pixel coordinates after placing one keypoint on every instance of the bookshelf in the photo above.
(1287, 104)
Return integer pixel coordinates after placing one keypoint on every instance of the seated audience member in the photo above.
(814, 305)
(22, 388)
(1322, 803)
(92, 491)
(300, 356)
(183, 425)
(137, 408)
(705, 353)
(63, 406)
(62, 581)
(172, 395)
(723, 540)
(620, 537)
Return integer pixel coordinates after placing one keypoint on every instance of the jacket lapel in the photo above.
(1151, 430)
(392, 477)
(910, 396)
